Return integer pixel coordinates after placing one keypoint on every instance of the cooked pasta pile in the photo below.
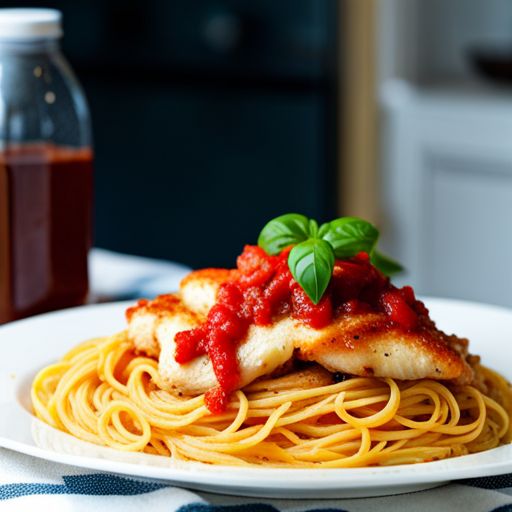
(104, 393)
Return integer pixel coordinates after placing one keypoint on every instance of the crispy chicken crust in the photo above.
(363, 344)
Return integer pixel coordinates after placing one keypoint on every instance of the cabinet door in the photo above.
(467, 221)
(206, 171)
(448, 196)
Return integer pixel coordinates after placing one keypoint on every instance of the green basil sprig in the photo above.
(311, 261)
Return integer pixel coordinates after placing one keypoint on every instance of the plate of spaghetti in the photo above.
(275, 378)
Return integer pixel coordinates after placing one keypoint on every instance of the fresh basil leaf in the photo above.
(350, 235)
(324, 228)
(313, 228)
(283, 231)
(311, 264)
(385, 264)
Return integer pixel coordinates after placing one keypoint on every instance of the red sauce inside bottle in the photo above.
(262, 289)
(45, 228)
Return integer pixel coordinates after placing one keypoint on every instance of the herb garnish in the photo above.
(311, 261)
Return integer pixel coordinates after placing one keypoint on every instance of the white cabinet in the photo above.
(447, 189)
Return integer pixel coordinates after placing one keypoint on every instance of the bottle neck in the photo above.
(29, 47)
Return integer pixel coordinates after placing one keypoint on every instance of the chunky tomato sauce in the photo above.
(262, 290)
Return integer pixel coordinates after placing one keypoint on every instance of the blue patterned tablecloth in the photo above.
(28, 483)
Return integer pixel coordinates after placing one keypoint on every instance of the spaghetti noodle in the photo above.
(103, 392)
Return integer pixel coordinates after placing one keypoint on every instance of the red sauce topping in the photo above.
(262, 289)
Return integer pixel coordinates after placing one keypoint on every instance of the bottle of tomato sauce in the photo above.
(46, 176)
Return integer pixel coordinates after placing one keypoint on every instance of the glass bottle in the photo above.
(46, 177)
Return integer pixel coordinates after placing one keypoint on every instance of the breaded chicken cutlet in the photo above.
(357, 341)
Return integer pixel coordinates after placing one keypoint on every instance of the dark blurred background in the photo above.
(209, 118)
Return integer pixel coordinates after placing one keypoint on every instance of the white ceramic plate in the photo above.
(28, 345)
